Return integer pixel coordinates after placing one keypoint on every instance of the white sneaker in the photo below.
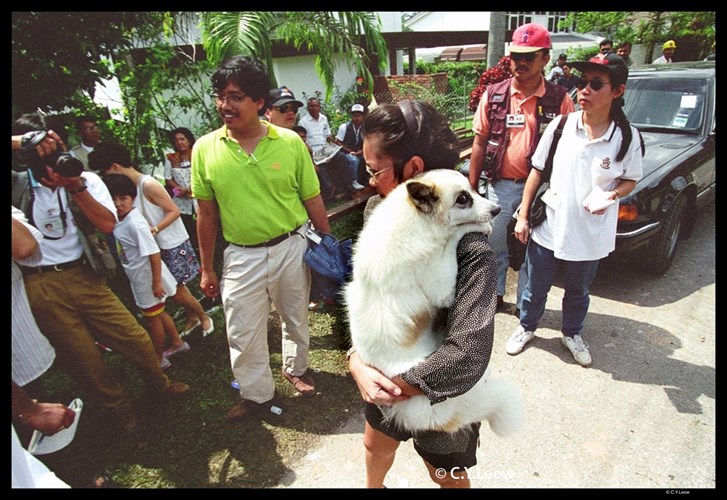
(579, 350)
(517, 340)
(357, 186)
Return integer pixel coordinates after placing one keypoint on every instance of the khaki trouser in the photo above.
(73, 308)
(251, 279)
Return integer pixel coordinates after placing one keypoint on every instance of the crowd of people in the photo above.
(261, 162)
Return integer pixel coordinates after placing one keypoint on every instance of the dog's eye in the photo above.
(463, 199)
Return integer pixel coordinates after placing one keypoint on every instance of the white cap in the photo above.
(357, 108)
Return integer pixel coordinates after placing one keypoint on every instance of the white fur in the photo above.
(404, 271)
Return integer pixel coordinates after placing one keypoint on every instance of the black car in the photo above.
(673, 106)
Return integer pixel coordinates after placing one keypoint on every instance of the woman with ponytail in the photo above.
(596, 163)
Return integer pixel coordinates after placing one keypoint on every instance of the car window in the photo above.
(672, 103)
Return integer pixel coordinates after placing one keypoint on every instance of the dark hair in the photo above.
(84, 118)
(29, 122)
(185, 132)
(107, 153)
(120, 185)
(605, 41)
(247, 73)
(624, 45)
(413, 128)
(618, 115)
(299, 129)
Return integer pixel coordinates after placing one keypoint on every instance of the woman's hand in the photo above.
(373, 385)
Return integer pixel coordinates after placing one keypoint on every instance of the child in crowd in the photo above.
(151, 281)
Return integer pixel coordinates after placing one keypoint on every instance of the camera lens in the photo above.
(66, 165)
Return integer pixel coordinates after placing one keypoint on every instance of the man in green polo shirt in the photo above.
(258, 182)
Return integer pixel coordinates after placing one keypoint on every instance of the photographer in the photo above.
(69, 299)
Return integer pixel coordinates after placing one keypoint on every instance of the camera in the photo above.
(64, 164)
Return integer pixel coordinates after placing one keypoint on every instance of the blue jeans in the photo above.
(578, 276)
(352, 164)
(507, 195)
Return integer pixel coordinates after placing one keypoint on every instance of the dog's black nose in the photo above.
(496, 211)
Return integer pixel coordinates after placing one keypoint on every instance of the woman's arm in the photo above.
(463, 357)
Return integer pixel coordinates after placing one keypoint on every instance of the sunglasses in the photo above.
(595, 83)
(529, 56)
(284, 108)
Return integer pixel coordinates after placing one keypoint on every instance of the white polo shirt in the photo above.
(579, 165)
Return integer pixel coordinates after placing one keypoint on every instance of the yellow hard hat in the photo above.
(669, 44)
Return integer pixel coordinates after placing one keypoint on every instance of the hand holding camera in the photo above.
(44, 154)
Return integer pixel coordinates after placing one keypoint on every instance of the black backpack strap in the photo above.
(553, 146)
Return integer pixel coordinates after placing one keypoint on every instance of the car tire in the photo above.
(662, 249)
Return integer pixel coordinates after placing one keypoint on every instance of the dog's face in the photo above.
(446, 196)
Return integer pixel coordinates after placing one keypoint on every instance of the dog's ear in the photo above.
(423, 195)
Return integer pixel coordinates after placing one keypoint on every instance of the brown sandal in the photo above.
(304, 384)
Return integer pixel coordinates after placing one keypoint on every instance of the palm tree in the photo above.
(329, 34)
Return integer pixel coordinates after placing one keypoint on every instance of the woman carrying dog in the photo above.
(597, 161)
(401, 141)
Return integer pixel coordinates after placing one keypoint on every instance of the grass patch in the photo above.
(187, 443)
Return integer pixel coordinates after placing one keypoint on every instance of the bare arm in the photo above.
(317, 214)
(157, 287)
(477, 160)
(522, 227)
(156, 194)
(208, 220)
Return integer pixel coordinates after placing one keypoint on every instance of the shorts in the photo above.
(152, 311)
(439, 449)
(182, 262)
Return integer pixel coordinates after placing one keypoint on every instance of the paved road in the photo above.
(642, 417)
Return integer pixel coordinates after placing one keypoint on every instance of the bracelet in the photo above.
(154, 230)
(349, 353)
(617, 194)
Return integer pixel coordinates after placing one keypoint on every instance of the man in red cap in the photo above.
(508, 123)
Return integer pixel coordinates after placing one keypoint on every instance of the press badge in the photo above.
(515, 121)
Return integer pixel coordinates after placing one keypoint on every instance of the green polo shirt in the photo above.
(260, 195)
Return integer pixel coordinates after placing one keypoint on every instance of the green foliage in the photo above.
(58, 57)
(696, 28)
(332, 35)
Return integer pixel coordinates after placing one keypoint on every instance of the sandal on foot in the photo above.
(304, 384)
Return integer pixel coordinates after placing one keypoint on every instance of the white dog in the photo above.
(404, 272)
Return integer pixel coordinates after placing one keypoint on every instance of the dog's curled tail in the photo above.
(508, 417)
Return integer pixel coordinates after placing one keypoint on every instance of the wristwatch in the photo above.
(81, 189)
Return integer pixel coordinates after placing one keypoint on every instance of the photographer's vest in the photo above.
(351, 139)
(498, 106)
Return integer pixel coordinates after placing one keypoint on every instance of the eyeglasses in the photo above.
(376, 173)
(232, 98)
(529, 57)
(284, 108)
(595, 83)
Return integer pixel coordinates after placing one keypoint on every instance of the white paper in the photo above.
(42, 444)
(597, 200)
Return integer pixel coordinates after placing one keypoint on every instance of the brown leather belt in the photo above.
(516, 181)
(272, 242)
(55, 267)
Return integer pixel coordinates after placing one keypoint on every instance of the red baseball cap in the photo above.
(530, 37)
(612, 64)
